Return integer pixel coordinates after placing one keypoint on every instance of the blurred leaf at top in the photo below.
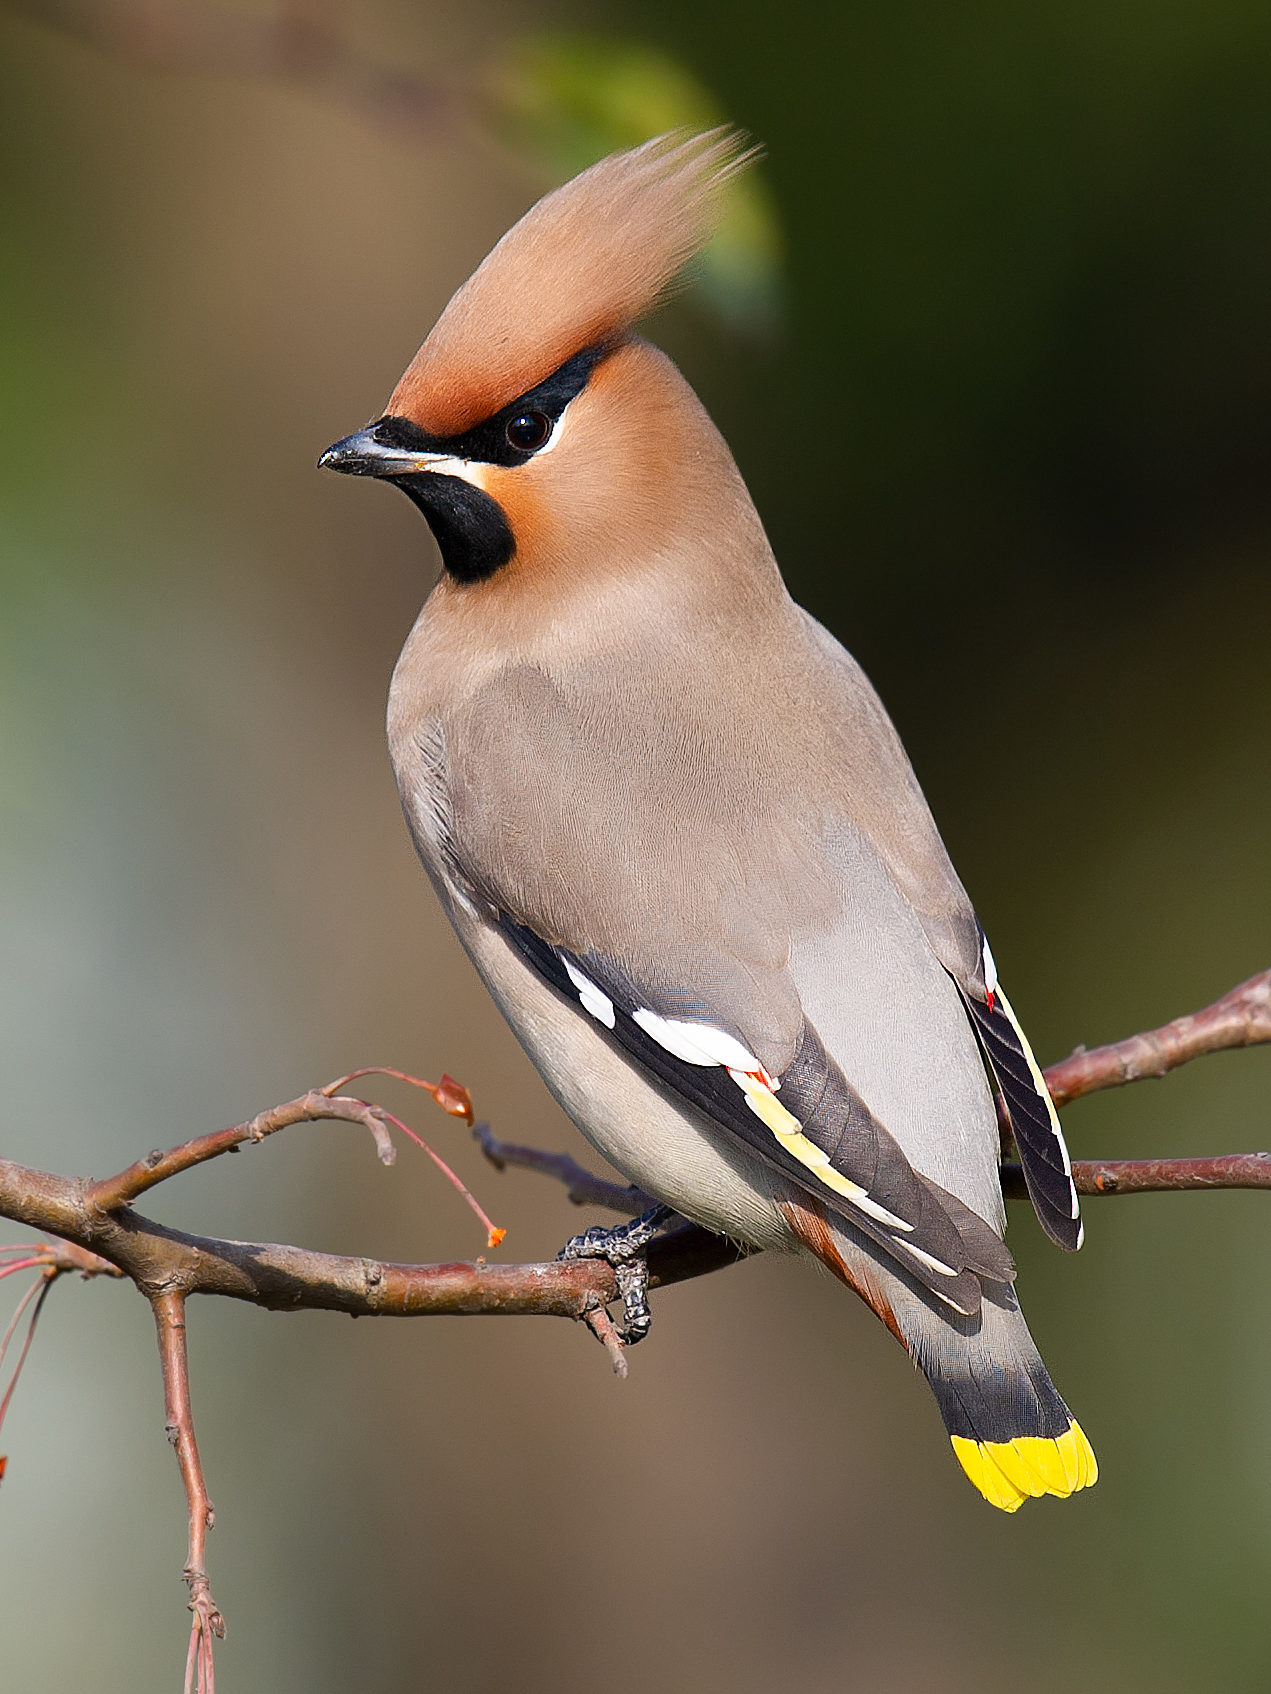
(564, 101)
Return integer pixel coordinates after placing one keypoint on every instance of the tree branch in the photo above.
(112, 1193)
(283, 1278)
(581, 1185)
(98, 1232)
(207, 1622)
(1242, 1018)
(98, 1219)
(290, 44)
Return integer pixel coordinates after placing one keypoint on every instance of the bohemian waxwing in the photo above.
(676, 831)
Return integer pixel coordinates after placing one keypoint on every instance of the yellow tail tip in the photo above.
(1009, 1472)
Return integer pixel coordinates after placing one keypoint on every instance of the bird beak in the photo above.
(362, 455)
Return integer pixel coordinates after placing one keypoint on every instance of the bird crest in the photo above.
(577, 271)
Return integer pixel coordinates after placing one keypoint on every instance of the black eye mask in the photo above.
(470, 527)
(493, 440)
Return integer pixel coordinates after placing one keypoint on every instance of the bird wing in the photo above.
(662, 900)
(809, 1124)
(892, 812)
(1043, 1153)
(609, 833)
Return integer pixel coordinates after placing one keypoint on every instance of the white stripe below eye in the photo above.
(696, 1043)
(558, 429)
(594, 1000)
(447, 464)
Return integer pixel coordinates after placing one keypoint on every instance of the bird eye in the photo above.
(528, 431)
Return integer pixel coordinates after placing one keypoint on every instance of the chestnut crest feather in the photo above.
(583, 265)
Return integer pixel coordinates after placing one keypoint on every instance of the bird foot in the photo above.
(625, 1248)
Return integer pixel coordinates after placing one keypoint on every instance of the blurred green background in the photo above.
(991, 338)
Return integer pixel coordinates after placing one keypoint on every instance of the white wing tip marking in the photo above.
(1039, 1083)
(697, 1043)
(990, 968)
(594, 999)
(703, 1044)
(936, 1265)
(789, 1133)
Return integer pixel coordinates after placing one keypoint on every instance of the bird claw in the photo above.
(625, 1248)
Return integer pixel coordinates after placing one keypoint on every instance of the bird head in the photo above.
(533, 425)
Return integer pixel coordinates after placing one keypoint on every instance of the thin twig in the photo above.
(319, 1105)
(581, 1185)
(207, 1622)
(1155, 1176)
(494, 1233)
(1241, 1018)
(1161, 1176)
(58, 1256)
(16, 1319)
(602, 1327)
(286, 44)
(39, 1291)
(98, 1232)
(52, 1259)
(67, 1258)
(112, 1193)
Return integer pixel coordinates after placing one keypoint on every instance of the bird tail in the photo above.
(1012, 1433)
(1010, 1430)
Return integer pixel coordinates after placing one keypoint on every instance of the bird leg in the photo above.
(625, 1248)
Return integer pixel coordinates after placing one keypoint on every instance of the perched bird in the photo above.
(676, 831)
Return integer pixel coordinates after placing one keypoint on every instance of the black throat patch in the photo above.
(470, 527)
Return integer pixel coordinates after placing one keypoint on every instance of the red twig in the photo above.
(450, 1095)
(112, 1193)
(38, 1292)
(494, 1234)
(207, 1622)
(16, 1319)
